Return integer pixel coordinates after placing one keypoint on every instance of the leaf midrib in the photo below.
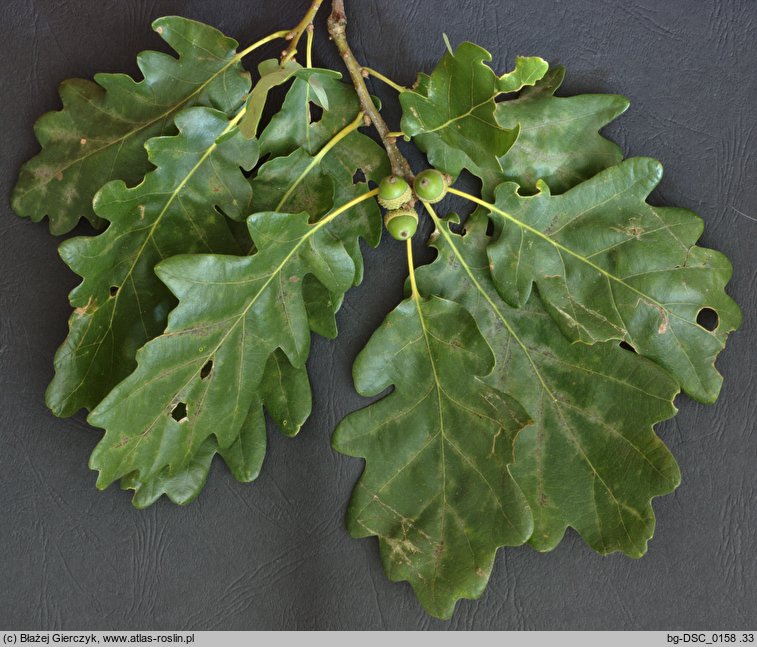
(138, 255)
(120, 140)
(312, 230)
(545, 389)
(494, 209)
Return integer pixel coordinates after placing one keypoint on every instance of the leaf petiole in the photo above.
(294, 35)
(411, 270)
(369, 71)
(259, 43)
(309, 50)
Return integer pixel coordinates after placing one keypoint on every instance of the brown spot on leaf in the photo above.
(159, 30)
(58, 175)
(664, 323)
(87, 308)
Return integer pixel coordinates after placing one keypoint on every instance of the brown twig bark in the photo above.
(338, 31)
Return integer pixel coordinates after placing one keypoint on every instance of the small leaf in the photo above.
(100, 133)
(436, 489)
(271, 75)
(557, 138)
(610, 266)
(591, 459)
(320, 96)
(120, 303)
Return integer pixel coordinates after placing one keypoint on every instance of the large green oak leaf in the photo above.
(591, 459)
(233, 313)
(436, 490)
(608, 265)
(99, 134)
(178, 208)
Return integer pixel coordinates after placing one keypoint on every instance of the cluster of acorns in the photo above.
(396, 196)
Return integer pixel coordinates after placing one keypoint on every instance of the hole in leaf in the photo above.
(359, 177)
(179, 412)
(113, 290)
(626, 346)
(316, 113)
(206, 369)
(708, 319)
(489, 227)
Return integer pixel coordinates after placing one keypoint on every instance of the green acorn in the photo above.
(393, 192)
(401, 223)
(431, 185)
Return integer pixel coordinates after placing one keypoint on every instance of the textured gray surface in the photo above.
(275, 554)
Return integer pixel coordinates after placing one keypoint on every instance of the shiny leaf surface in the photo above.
(271, 75)
(559, 140)
(436, 489)
(286, 395)
(591, 459)
(608, 265)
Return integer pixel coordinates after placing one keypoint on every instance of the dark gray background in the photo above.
(275, 554)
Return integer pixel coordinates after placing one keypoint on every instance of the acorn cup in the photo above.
(401, 223)
(394, 192)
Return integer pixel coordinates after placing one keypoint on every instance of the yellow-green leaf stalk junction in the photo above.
(227, 237)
